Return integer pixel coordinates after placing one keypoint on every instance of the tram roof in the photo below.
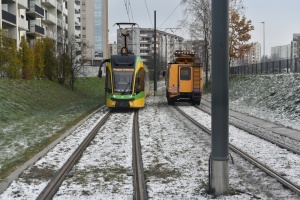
(123, 60)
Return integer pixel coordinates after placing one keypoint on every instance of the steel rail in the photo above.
(52, 187)
(276, 142)
(140, 192)
(292, 186)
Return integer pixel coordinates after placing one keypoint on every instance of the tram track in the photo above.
(140, 190)
(278, 176)
(139, 181)
(54, 184)
(255, 133)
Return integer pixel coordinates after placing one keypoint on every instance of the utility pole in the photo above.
(155, 70)
(219, 178)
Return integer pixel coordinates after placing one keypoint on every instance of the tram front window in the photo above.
(122, 81)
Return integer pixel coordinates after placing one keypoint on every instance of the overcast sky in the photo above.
(281, 17)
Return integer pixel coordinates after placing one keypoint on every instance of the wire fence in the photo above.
(269, 67)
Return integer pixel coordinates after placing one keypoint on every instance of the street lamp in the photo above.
(264, 40)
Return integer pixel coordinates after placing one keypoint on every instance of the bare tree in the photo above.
(76, 64)
(198, 21)
(63, 62)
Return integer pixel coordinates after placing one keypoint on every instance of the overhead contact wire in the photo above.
(125, 2)
(170, 15)
(130, 10)
(148, 12)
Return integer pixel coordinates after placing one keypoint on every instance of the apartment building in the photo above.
(281, 52)
(295, 51)
(141, 42)
(112, 49)
(35, 19)
(251, 57)
(254, 55)
(85, 20)
(89, 25)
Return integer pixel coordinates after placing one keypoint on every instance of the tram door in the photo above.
(185, 80)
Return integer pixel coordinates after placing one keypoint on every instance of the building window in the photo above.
(83, 36)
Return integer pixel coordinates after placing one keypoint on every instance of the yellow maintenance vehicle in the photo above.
(183, 78)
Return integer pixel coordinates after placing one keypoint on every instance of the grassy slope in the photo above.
(33, 113)
(274, 97)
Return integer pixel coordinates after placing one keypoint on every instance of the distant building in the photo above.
(281, 52)
(113, 50)
(254, 55)
(295, 51)
(91, 24)
(251, 57)
(195, 45)
(141, 41)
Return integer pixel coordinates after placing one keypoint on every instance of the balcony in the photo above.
(8, 1)
(35, 11)
(144, 54)
(59, 23)
(65, 26)
(36, 30)
(22, 4)
(65, 11)
(22, 24)
(77, 8)
(9, 18)
(145, 41)
(77, 32)
(51, 35)
(49, 3)
(59, 7)
(60, 39)
(77, 22)
(49, 19)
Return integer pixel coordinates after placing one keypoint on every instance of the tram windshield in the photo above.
(123, 81)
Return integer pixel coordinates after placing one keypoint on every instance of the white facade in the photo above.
(281, 52)
(113, 50)
(85, 20)
(91, 28)
(251, 57)
(295, 50)
(34, 19)
(141, 42)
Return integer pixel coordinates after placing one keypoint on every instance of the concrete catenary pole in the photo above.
(154, 66)
(220, 114)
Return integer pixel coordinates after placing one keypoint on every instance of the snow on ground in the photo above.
(278, 159)
(102, 172)
(176, 153)
(28, 185)
(275, 98)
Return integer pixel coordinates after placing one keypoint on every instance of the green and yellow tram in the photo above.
(127, 80)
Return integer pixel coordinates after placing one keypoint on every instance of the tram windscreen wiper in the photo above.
(126, 86)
